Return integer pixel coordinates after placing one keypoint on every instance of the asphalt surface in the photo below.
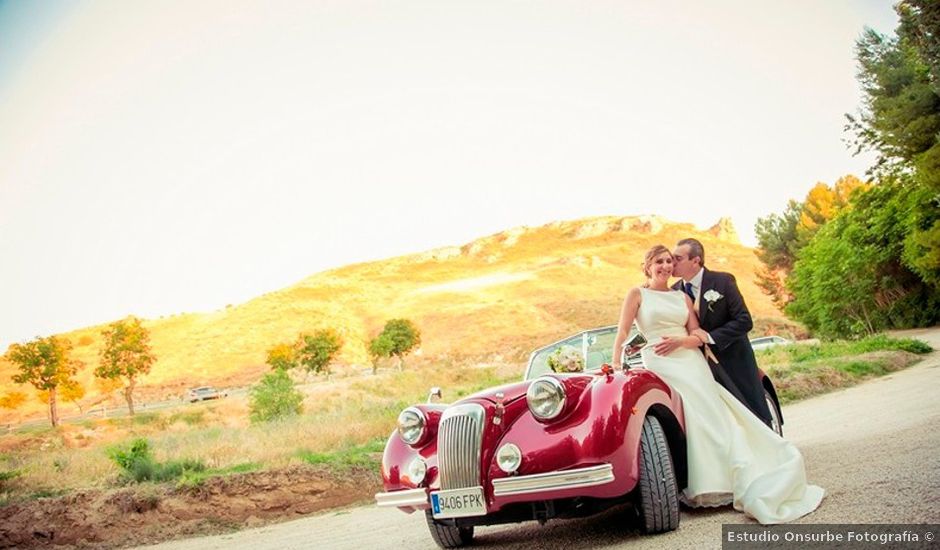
(875, 448)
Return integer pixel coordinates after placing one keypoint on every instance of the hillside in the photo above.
(492, 299)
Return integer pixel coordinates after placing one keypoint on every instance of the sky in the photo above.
(179, 156)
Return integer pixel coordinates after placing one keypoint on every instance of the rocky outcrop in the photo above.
(725, 231)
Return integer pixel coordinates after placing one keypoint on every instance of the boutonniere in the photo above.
(711, 296)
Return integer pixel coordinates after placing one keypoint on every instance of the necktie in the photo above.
(689, 291)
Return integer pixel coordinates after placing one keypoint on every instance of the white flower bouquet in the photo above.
(566, 359)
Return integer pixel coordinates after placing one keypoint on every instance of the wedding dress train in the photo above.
(734, 458)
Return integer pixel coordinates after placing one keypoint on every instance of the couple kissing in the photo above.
(733, 457)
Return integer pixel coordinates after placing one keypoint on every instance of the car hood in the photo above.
(510, 392)
(514, 391)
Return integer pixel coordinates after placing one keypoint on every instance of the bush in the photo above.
(274, 397)
(138, 465)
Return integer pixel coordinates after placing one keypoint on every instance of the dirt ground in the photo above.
(145, 514)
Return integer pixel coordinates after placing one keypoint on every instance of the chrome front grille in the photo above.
(459, 438)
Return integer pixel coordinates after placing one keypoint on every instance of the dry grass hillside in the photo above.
(492, 299)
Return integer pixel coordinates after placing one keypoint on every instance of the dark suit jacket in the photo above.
(728, 321)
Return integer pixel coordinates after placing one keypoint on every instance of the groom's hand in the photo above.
(667, 345)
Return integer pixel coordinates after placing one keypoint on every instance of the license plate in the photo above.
(458, 503)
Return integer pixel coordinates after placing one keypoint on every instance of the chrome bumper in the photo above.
(554, 481)
(411, 497)
(516, 485)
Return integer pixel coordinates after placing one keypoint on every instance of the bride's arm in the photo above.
(631, 304)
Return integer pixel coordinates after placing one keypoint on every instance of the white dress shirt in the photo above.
(697, 291)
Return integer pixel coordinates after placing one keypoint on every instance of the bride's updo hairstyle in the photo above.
(648, 260)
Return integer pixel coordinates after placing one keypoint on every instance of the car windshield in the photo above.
(593, 346)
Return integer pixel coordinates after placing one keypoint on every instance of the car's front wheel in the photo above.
(448, 536)
(658, 502)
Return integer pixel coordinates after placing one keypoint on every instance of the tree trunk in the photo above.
(53, 413)
(129, 395)
(401, 363)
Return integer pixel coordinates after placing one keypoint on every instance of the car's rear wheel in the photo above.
(658, 502)
(776, 422)
(448, 536)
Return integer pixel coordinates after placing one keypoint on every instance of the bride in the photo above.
(733, 457)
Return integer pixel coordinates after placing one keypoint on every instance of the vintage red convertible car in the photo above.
(557, 444)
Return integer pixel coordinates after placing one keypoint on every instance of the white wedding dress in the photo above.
(734, 458)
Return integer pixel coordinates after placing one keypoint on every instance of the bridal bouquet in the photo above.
(566, 359)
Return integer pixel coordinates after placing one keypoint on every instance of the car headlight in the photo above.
(546, 398)
(508, 458)
(411, 425)
(417, 470)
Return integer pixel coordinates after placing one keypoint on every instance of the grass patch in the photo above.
(145, 419)
(36, 429)
(799, 353)
(190, 418)
(47, 493)
(358, 456)
(797, 381)
(192, 479)
(6, 476)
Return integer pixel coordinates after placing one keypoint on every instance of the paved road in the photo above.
(874, 447)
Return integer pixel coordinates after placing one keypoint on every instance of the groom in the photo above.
(725, 320)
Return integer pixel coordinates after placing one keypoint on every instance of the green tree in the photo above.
(922, 18)
(380, 346)
(45, 363)
(398, 338)
(900, 116)
(316, 351)
(851, 278)
(822, 203)
(274, 397)
(780, 237)
(900, 121)
(776, 249)
(126, 355)
(282, 357)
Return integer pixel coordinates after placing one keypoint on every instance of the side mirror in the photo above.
(435, 392)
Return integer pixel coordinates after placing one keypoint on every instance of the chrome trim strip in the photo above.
(410, 497)
(553, 481)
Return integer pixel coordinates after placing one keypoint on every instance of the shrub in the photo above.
(138, 465)
(274, 397)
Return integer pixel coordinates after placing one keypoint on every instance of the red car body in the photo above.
(586, 458)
